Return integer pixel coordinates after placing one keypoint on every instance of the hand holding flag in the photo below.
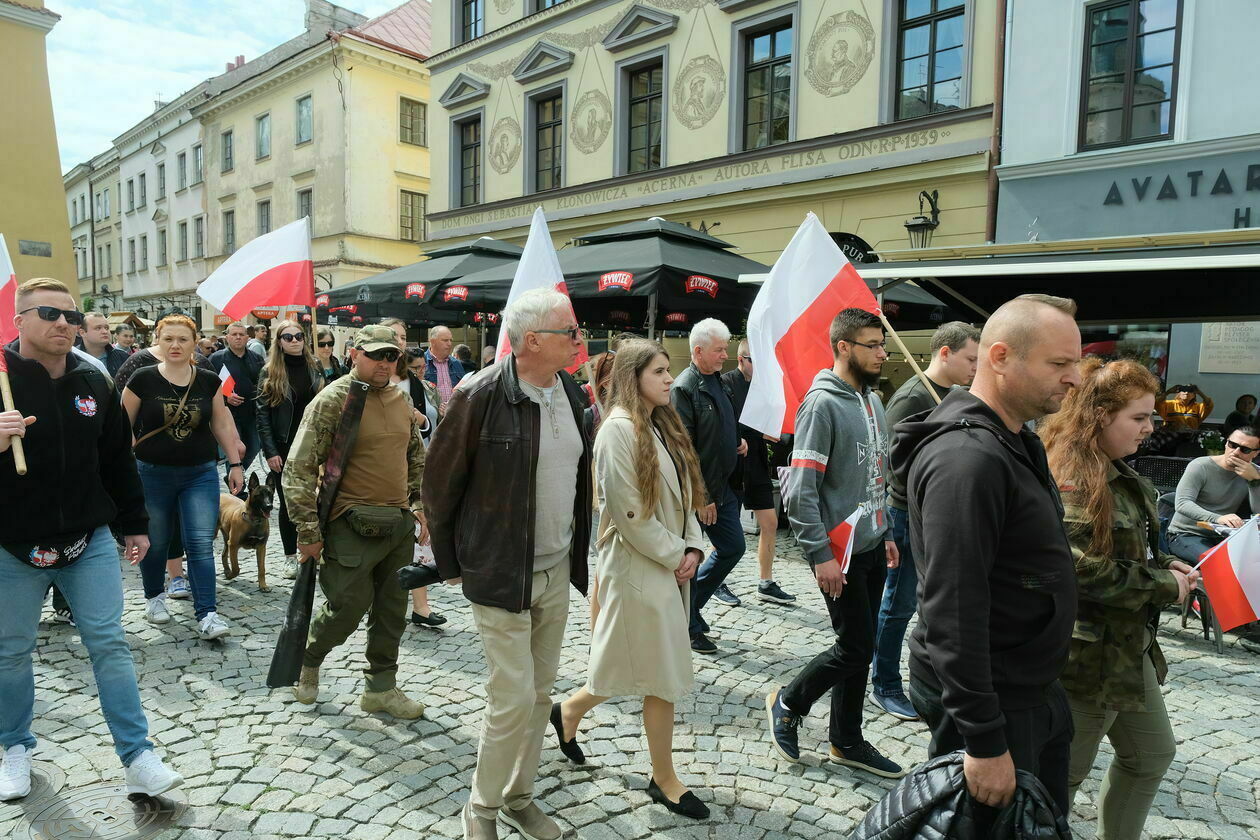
(227, 385)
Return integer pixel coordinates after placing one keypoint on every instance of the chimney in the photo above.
(229, 67)
(323, 16)
(240, 61)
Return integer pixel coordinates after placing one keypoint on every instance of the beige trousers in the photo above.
(522, 653)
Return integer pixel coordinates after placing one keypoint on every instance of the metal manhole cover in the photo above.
(46, 780)
(101, 812)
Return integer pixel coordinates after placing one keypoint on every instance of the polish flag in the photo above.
(790, 478)
(789, 323)
(273, 270)
(539, 268)
(841, 538)
(228, 386)
(8, 295)
(1231, 576)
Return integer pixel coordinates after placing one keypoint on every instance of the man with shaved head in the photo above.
(997, 584)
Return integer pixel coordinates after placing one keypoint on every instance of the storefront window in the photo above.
(1146, 344)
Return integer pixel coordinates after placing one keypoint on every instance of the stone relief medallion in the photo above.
(590, 121)
(505, 145)
(840, 53)
(698, 91)
(503, 6)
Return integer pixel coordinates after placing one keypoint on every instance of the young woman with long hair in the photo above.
(178, 415)
(1115, 667)
(288, 382)
(650, 488)
(329, 364)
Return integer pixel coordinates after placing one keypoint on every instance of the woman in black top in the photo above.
(178, 415)
(328, 363)
(286, 385)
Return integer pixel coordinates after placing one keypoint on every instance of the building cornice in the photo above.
(1130, 156)
(41, 19)
(305, 62)
(543, 20)
(383, 57)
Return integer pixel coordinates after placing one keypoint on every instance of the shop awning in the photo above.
(907, 305)
(131, 319)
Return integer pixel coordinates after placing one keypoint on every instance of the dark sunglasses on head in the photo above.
(51, 313)
(1245, 450)
(385, 354)
(328, 344)
(292, 337)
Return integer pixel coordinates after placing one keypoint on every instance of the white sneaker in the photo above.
(290, 567)
(148, 775)
(15, 773)
(156, 610)
(212, 627)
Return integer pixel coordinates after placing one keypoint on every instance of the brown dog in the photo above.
(247, 524)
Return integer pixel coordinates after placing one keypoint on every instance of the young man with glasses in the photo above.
(1211, 491)
(246, 367)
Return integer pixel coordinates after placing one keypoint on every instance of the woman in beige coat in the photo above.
(649, 546)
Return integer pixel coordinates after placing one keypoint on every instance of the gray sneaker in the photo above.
(531, 822)
(478, 828)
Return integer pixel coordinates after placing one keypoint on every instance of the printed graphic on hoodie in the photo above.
(873, 454)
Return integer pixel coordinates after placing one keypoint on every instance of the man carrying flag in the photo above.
(837, 479)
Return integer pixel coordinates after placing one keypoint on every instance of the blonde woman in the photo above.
(649, 546)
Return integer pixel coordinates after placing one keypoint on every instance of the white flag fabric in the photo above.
(273, 270)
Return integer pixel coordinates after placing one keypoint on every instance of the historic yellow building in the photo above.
(32, 213)
(743, 113)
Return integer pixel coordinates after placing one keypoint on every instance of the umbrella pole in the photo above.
(652, 317)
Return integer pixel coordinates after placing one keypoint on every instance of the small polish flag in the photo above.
(1231, 576)
(841, 538)
(789, 323)
(228, 386)
(8, 295)
(273, 270)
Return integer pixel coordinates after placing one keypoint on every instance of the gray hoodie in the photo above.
(839, 463)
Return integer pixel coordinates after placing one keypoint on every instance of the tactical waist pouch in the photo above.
(375, 521)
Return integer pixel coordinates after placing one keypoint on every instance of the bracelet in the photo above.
(234, 466)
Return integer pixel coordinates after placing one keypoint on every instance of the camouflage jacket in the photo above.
(309, 451)
(1120, 595)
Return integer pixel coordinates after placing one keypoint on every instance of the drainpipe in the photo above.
(995, 142)
(92, 231)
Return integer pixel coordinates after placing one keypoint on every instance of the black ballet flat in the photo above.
(571, 750)
(688, 806)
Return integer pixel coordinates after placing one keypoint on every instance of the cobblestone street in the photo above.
(259, 765)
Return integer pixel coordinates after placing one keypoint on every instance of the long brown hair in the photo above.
(633, 357)
(273, 382)
(1071, 438)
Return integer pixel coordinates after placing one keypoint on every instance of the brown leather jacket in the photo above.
(478, 491)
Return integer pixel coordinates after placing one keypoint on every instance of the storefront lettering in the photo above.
(595, 197)
(742, 170)
(673, 182)
(1221, 185)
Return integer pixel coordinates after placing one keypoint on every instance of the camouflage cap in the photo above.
(375, 337)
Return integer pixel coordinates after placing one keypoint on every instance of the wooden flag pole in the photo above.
(910, 358)
(6, 393)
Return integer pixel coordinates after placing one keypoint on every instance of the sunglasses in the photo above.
(385, 354)
(574, 333)
(51, 313)
(292, 337)
(1245, 450)
(328, 344)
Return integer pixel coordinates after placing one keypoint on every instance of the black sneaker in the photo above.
(700, 644)
(726, 596)
(864, 756)
(770, 591)
(433, 619)
(783, 725)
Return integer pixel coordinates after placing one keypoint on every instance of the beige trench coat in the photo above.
(640, 646)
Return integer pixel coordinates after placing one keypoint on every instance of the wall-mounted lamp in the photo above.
(921, 227)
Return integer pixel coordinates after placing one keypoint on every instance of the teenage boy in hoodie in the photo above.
(997, 585)
(839, 467)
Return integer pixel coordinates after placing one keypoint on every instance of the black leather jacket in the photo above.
(274, 421)
(699, 415)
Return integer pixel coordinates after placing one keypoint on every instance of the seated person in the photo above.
(1185, 411)
(1244, 414)
(1211, 490)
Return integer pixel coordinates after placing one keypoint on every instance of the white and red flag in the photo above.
(8, 295)
(789, 323)
(227, 386)
(539, 268)
(841, 538)
(1231, 576)
(273, 271)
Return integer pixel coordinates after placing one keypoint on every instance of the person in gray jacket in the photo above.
(835, 498)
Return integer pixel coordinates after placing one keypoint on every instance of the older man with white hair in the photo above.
(441, 368)
(512, 444)
(709, 415)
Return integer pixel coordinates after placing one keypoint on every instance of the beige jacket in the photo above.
(640, 646)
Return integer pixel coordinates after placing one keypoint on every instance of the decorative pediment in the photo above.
(543, 60)
(159, 215)
(463, 90)
(641, 23)
(157, 148)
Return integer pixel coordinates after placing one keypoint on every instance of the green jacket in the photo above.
(309, 451)
(1120, 595)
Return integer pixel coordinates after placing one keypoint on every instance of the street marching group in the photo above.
(990, 496)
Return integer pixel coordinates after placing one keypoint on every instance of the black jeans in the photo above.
(1039, 738)
(288, 531)
(844, 667)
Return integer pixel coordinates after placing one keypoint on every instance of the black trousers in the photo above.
(1039, 738)
(844, 668)
(288, 531)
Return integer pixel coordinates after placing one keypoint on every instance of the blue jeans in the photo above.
(727, 535)
(895, 610)
(1188, 547)
(194, 493)
(93, 586)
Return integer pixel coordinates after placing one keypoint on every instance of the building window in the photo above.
(131, 256)
(229, 231)
(262, 137)
(74, 212)
(100, 259)
(144, 191)
(131, 195)
(181, 171)
(161, 172)
(548, 143)
(144, 252)
(183, 241)
(929, 57)
(199, 236)
(645, 118)
(161, 255)
(1130, 72)
(264, 217)
(105, 199)
(411, 122)
(411, 217)
(305, 121)
(767, 86)
(198, 164)
(304, 198)
(474, 19)
(109, 259)
(469, 162)
(227, 157)
(547, 4)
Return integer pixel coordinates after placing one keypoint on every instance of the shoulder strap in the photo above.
(182, 402)
(342, 443)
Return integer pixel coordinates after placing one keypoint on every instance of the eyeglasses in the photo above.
(874, 345)
(385, 354)
(51, 313)
(1245, 450)
(293, 337)
(747, 359)
(328, 344)
(574, 333)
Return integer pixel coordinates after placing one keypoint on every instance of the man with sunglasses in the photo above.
(1211, 492)
(370, 527)
(245, 366)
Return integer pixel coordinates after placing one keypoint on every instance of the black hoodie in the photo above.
(997, 584)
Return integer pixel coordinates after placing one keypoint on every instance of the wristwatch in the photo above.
(233, 466)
